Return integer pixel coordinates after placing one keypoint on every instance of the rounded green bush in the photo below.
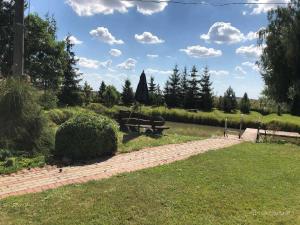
(86, 136)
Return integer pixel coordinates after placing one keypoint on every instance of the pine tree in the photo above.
(173, 97)
(184, 87)
(193, 90)
(101, 91)
(70, 92)
(159, 98)
(87, 92)
(206, 96)
(229, 101)
(127, 94)
(152, 91)
(245, 104)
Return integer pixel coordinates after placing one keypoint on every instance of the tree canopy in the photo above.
(279, 62)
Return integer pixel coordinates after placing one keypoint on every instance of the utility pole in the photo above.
(18, 53)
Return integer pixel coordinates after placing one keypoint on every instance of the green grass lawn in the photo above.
(245, 184)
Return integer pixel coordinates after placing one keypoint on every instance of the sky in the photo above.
(116, 40)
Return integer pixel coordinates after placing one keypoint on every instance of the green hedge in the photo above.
(285, 122)
(86, 136)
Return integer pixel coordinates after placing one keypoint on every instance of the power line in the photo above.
(206, 3)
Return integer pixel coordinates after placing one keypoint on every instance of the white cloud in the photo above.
(221, 32)
(150, 7)
(93, 64)
(252, 65)
(103, 34)
(219, 72)
(263, 8)
(152, 56)
(115, 52)
(251, 51)
(88, 63)
(240, 70)
(152, 72)
(198, 51)
(74, 40)
(225, 33)
(148, 38)
(128, 64)
(93, 7)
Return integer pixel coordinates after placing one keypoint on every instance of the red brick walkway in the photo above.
(37, 180)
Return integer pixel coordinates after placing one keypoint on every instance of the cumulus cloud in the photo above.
(225, 33)
(263, 8)
(88, 63)
(115, 52)
(198, 51)
(74, 40)
(152, 72)
(93, 7)
(152, 56)
(219, 72)
(240, 70)
(221, 32)
(252, 65)
(93, 64)
(128, 64)
(148, 38)
(251, 51)
(103, 34)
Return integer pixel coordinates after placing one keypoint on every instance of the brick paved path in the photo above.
(41, 179)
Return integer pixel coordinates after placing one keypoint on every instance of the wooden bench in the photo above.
(134, 121)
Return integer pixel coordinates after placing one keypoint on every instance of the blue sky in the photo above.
(115, 40)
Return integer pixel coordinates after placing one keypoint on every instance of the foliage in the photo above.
(172, 89)
(110, 96)
(70, 92)
(4, 153)
(22, 124)
(127, 94)
(245, 104)
(101, 91)
(184, 85)
(206, 96)
(193, 90)
(152, 91)
(279, 60)
(48, 100)
(87, 93)
(60, 115)
(86, 136)
(6, 36)
(142, 93)
(229, 101)
(44, 55)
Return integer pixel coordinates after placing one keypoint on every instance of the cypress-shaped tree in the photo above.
(101, 91)
(229, 101)
(245, 104)
(174, 90)
(127, 94)
(206, 96)
(193, 90)
(70, 92)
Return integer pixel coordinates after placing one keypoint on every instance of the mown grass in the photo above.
(245, 184)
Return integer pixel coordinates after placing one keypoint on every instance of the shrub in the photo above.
(48, 100)
(22, 123)
(245, 104)
(86, 136)
(110, 96)
(4, 153)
